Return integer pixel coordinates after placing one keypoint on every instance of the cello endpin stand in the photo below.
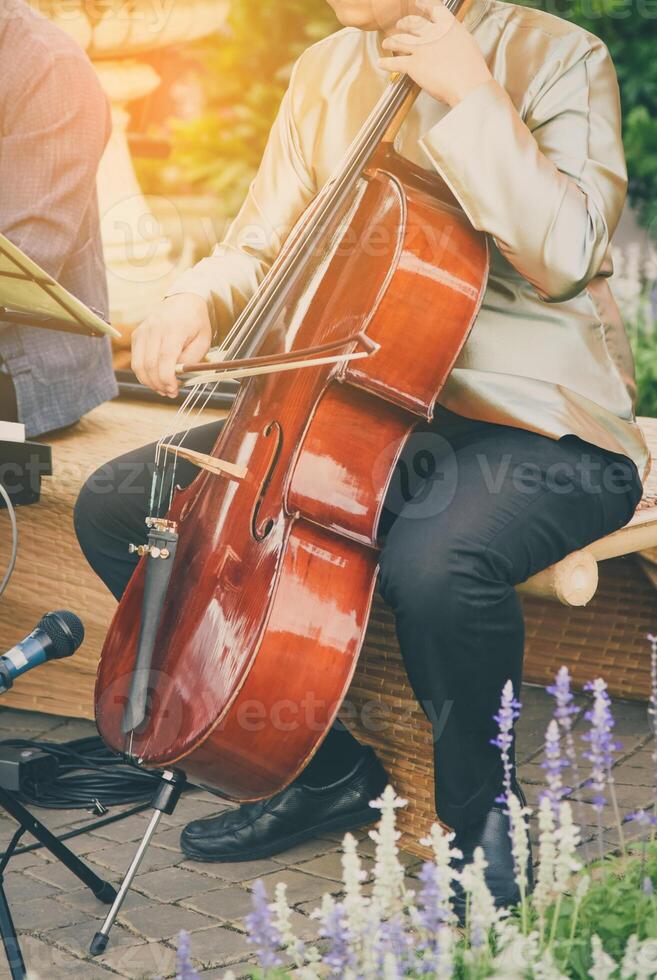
(166, 797)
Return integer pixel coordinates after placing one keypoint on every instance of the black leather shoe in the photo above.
(258, 830)
(492, 835)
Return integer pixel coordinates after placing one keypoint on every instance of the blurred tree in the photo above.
(630, 32)
(244, 73)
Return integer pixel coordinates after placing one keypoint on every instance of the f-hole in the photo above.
(260, 531)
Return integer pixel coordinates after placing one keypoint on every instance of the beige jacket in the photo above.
(536, 160)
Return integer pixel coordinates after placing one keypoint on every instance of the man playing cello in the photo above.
(535, 444)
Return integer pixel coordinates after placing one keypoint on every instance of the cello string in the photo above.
(326, 196)
(158, 472)
(163, 457)
(279, 272)
(177, 428)
(213, 387)
(369, 134)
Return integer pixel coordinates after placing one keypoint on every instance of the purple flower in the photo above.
(562, 694)
(395, 940)
(262, 931)
(554, 764)
(601, 743)
(184, 968)
(643, 818)
(506, 718)
(333, 927)
(433, 913)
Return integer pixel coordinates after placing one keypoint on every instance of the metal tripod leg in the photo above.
(164, 801)
(9, 940)
(101, 889)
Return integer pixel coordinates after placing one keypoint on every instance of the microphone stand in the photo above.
(27, 822)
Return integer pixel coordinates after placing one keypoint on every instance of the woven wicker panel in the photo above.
(606, 639)
(51, 573)
(382, 711)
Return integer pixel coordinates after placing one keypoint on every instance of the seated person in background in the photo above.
(54, 124)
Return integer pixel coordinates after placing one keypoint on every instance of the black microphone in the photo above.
(57, 635)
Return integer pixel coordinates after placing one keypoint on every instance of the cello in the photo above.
(236, 640)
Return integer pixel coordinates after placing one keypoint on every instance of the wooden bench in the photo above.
(604, 637)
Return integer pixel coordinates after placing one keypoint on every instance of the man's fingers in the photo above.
(437, 12)
(150, 361)
(194, 351)
(403, 43)
(137, 362)
(413, 24)
(166, 370)
(400, 63)
(157, 344)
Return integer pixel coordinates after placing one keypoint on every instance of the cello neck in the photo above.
(381, 126)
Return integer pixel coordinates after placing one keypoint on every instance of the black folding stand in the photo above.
(26, 822)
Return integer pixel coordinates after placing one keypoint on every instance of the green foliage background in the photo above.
(629, 29)
(245, 71)
(244, 74)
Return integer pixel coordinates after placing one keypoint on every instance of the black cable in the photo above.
(14, 539)
(90, 776)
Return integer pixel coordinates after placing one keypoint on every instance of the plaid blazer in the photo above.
(54, 124)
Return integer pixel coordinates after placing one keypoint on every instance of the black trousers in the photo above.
(473, 510)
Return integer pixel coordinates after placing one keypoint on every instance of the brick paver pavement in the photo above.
(57, 917)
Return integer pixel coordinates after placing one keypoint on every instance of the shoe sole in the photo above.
(355, 820)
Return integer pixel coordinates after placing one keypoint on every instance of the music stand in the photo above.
(29, 296)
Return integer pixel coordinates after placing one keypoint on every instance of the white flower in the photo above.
(519, 840)
(390, 968)
(355, 903)
(444, 855)
(368, 968)
(628, 965)
(389, 893)
(544, 892)
(567, 838)
(603, 966)
(283, 922)
(646, 959)
(546, 969)
(444, 968)
(582, 887)
(516, 952)
(483, 914)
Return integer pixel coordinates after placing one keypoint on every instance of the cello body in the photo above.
(273, 576)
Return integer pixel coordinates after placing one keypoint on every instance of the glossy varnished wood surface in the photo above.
(273, 577)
